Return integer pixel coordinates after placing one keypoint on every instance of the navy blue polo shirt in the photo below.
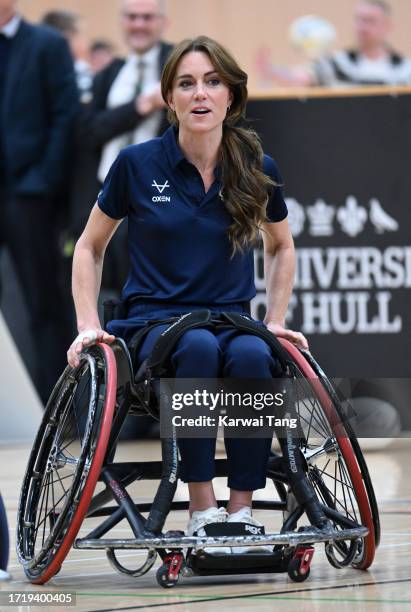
(177, 234)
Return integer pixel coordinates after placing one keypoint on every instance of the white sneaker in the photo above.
(244, 516)
(205, 517)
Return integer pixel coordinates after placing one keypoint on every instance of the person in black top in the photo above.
(38, 106)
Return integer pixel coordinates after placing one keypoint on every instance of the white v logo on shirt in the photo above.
(160, 187)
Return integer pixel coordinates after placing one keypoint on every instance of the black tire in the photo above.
(355, 444)
(336, 466)
(294, 571)
(163, 579)
(4, 537)
(65, 463)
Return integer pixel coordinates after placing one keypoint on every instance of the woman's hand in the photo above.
(89, 336)
(296, 338)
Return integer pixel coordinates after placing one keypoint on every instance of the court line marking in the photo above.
(394, 545)
(267, 595)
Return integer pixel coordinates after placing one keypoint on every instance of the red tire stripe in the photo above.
(346, 449)
(95, 469)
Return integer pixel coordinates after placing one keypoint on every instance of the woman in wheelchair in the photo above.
(196, 200)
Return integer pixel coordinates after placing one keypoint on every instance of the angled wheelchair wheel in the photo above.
(4, 537)
(65, 462)
(335, 464)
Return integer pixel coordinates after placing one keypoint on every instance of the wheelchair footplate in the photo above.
(292, 552)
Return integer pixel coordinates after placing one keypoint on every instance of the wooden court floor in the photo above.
(385, 586)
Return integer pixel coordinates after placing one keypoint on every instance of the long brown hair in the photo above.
(245, 187)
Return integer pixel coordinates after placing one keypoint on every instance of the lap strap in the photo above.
(156, 365)
(243, 323)
(168, 338)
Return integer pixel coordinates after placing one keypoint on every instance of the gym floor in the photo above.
(385, 586)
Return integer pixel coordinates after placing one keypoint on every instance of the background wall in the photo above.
(243, 25)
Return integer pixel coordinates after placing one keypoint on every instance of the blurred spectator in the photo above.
(101, 54)
(371, 62)
(69, 24)
(38, 103)
(126, 108)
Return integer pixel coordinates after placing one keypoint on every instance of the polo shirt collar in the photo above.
(174, 153)
(10, 28)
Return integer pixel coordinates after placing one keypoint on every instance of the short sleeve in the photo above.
(113, 198)
(276, 206)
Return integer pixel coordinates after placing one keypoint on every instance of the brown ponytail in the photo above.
(245, 187)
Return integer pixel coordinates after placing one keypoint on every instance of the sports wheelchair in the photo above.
(75, 447)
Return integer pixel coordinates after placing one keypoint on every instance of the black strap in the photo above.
(156, 365)
(167, 340)
(138, 337)
(244, 323)
(233, 529)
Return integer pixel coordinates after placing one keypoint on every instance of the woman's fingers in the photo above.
(295, 337)
(299, 339)
(84, 339)
(106, 337)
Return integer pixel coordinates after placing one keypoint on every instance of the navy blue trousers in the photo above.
(202, 354)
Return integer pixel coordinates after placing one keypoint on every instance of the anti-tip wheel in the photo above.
(163, 579)
(295, 572)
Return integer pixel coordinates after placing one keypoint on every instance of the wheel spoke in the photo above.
(42, 500)
(343, 468)
(45, 518)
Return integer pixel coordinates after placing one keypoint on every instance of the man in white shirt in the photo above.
(126, 108)
(371, 62)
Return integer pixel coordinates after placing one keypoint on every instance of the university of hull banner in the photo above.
(346, 163)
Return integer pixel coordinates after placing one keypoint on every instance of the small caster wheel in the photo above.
(163, 578)
(299, 566)
(169, 573)
(295, 571)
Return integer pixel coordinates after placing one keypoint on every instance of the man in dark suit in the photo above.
(127, 102)
(126, 108)
(38, 104)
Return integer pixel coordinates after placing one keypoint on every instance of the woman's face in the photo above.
(199, 97)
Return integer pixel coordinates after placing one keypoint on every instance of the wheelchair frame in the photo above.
(112, 394)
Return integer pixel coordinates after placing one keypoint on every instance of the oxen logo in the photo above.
(160, 188)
